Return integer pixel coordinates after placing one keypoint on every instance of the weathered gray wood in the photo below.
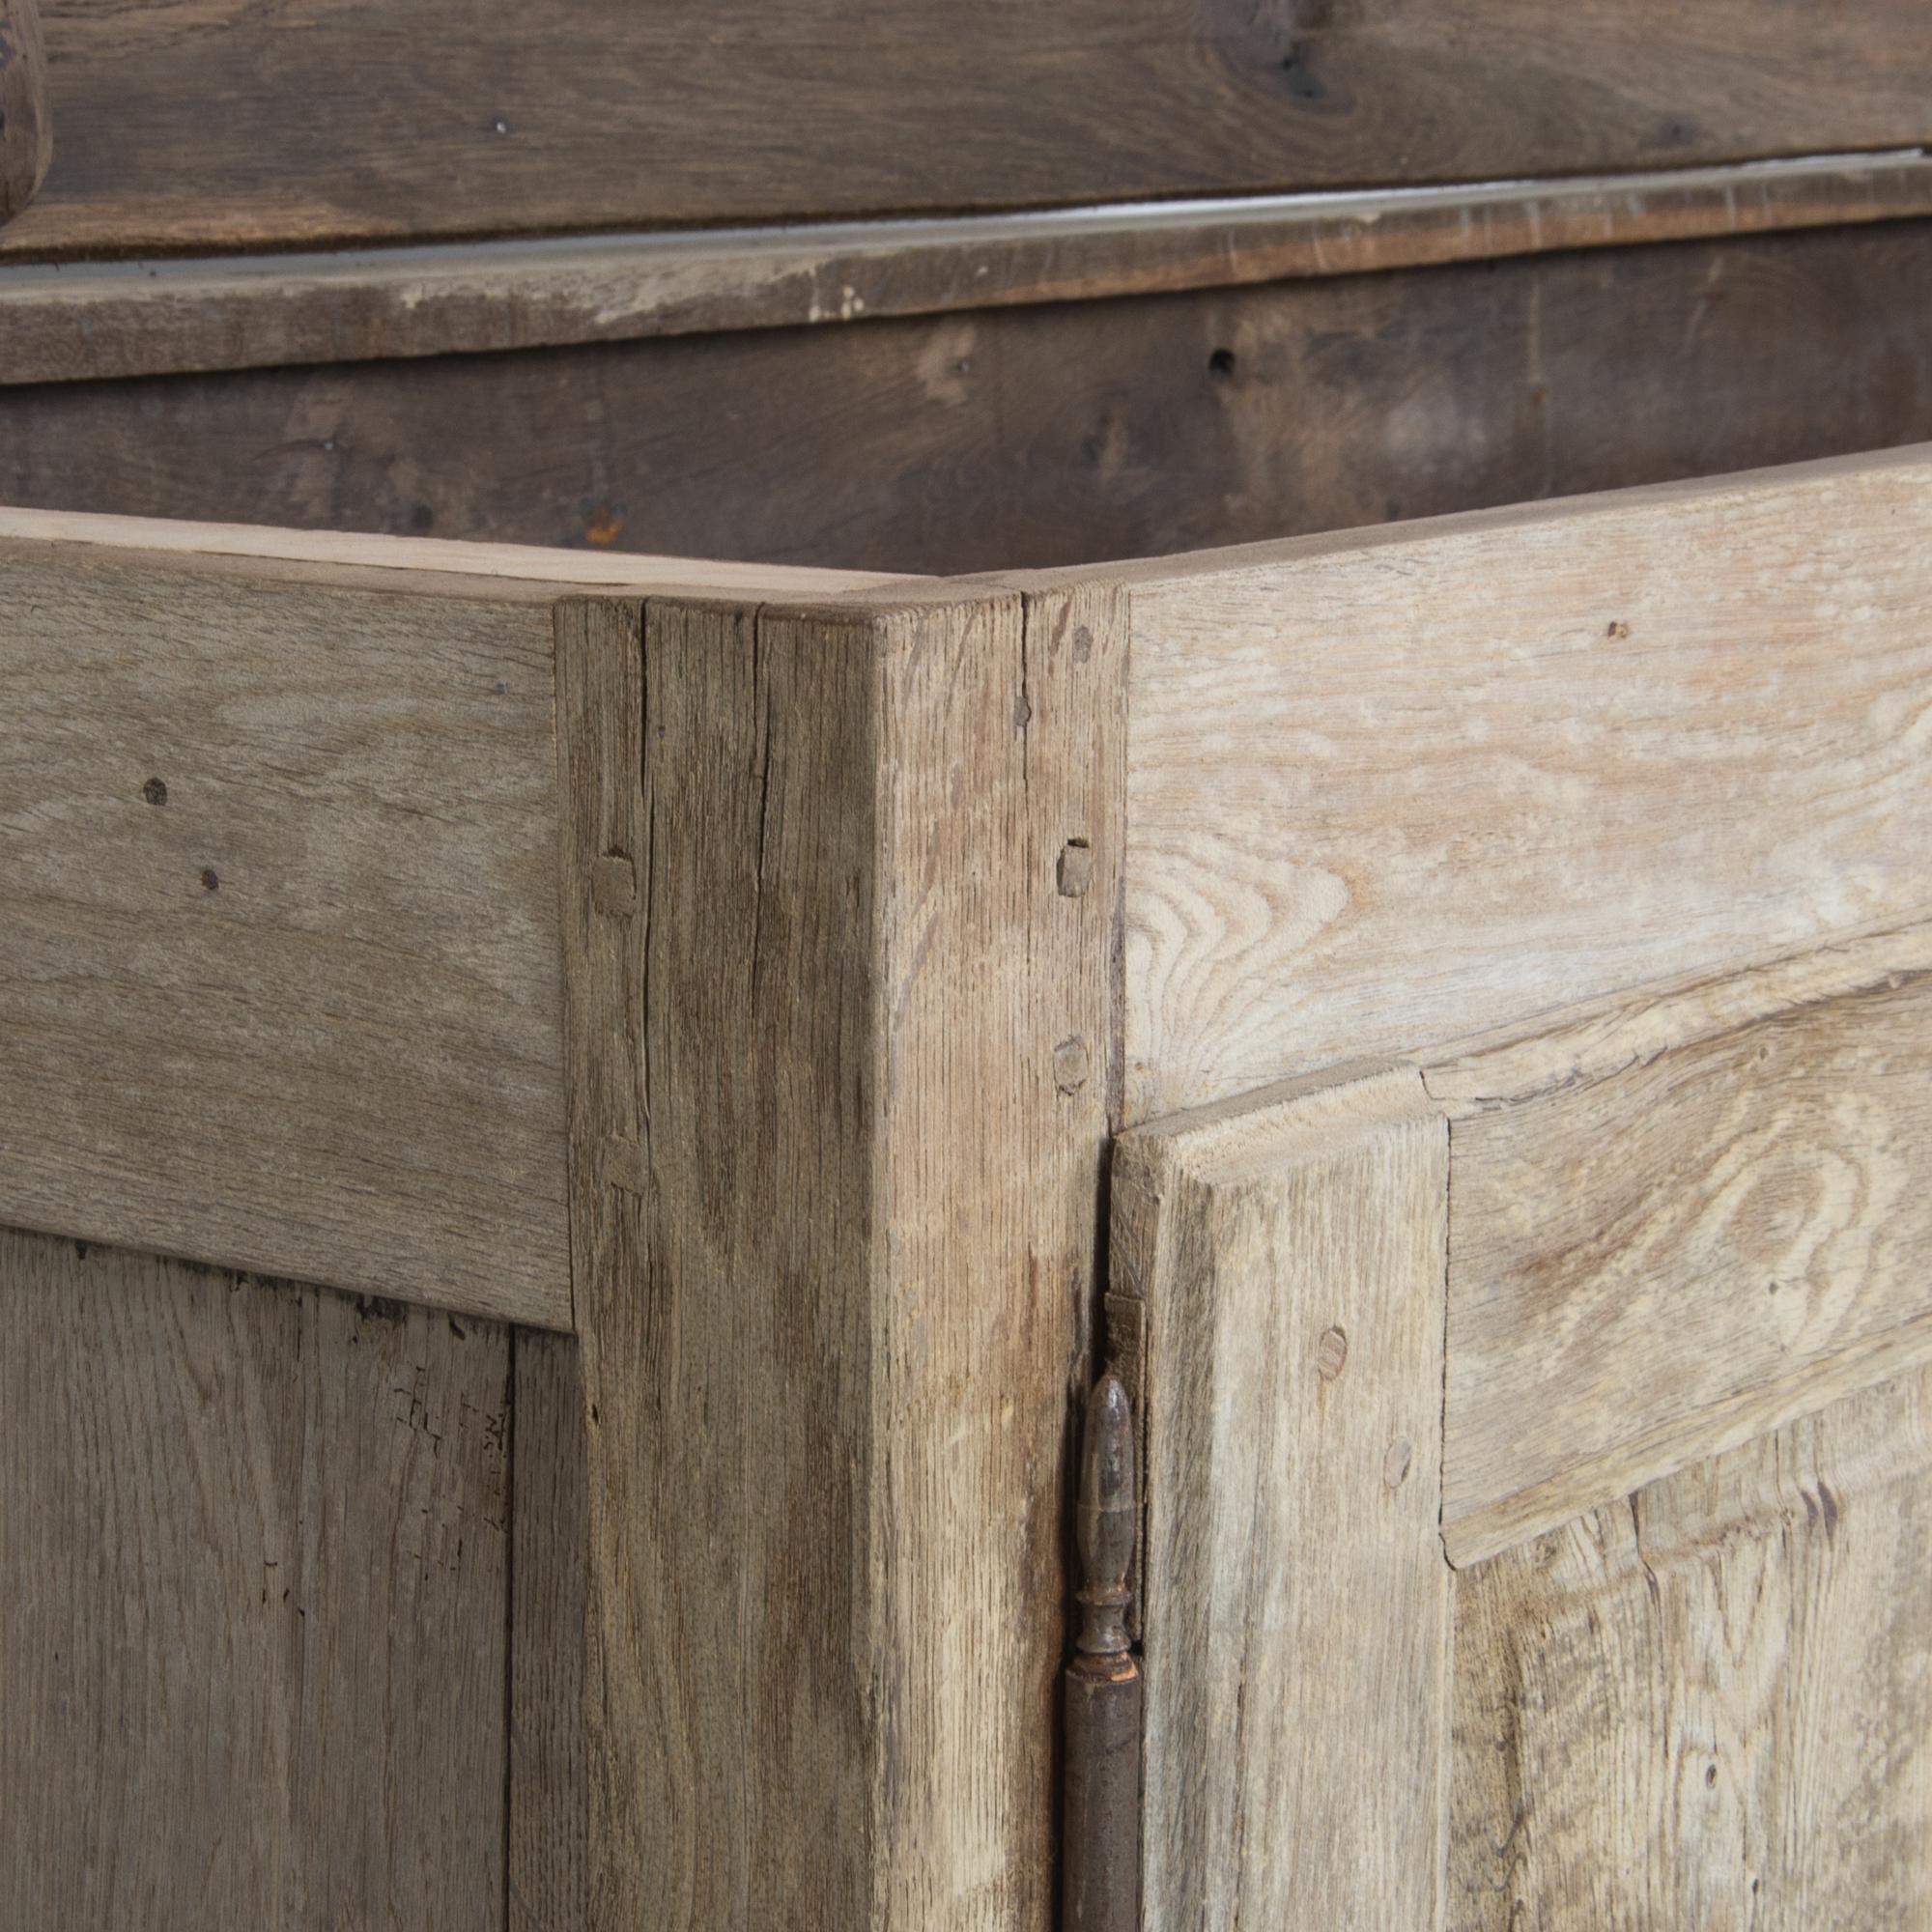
(280, 969)
(75, 320)
(1287, 1261)
(1393, 787)
(1054, 433)
(278, 972)
(833, 1187)
(1710, 1704)
(1652, 1260)
(252, 1602)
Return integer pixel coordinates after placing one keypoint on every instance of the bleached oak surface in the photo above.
(423, 561)
(1658, 1262)
(1392, 787)
(740, 980)
(1288, 1265)
(1709, 1703)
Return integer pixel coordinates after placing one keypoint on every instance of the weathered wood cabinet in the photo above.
(576, 1126)
(572, 1121)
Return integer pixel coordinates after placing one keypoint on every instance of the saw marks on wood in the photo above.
(1709, 1704)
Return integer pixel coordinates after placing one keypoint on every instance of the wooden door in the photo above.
(1521, 1244)
(1539, 1472)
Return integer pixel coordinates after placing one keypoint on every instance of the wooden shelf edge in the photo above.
(90, 319)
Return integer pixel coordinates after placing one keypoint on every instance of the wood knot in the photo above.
(1395, 1464)
(1331, 1354)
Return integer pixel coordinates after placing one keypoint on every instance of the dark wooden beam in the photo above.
(88, 320)
(208, 125)
(1056, 434)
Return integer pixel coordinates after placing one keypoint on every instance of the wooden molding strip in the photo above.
(428, 563)
(1605, 1036)
(64, 322)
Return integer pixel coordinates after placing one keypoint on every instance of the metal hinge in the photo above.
(1101, 1869)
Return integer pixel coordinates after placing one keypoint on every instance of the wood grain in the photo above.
(368, 119)
(1395, 787)
(1052, 435)
(278, 976)
(1709, 1704)
(549, 1779)
(26, 126)
(1602, 1037)
(833, 1193)
(73, 320)
(1289, 1263)
(252, 1602)
(1652, 1265)
(1004, 741)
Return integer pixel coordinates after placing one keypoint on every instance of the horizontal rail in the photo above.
(81, 320)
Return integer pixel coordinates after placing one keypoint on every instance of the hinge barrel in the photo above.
(1102, 1882)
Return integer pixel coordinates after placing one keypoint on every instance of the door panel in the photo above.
(1709, 1704)
(1653, 1265)
(254, 1572)
(1675, 1254)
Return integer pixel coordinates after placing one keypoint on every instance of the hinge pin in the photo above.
(1102, 1861)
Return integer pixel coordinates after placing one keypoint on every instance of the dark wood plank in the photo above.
(86, 321)
(26, 127)
(1056, 434)
(252, 1602)
(242, 122)
(549, 1556)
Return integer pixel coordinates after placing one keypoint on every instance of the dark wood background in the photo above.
(200, 124)
(1055, 434)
